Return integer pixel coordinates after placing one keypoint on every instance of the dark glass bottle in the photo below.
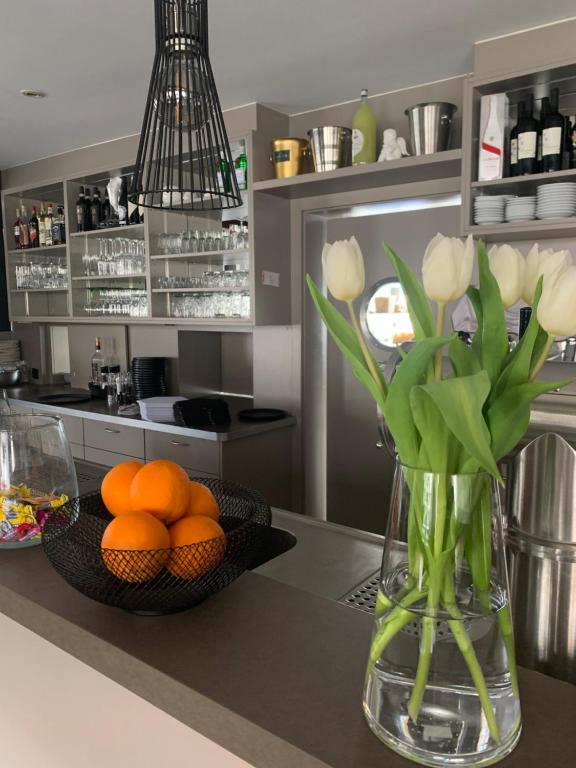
(123, 203)
(514, 142)
(568, 152)
(33, 229)
(48, 226)
(88, 210)
(527, 140)
(17, 223)
(544, 111)
(106, 208)
(24, 234)
(552, 136)
(80, 211)
(96, 209)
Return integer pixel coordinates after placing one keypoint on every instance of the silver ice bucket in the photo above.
(430, 126)
(331, 147)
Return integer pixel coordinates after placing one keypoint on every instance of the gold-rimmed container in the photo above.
(289, 156)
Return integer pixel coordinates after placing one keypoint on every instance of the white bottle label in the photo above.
(527, 145)
(241, 177)
(358, 142)
(513, 151)
(551, 141)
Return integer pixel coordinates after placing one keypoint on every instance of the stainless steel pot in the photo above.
(430, 126)
(331, 147)
(9, 375)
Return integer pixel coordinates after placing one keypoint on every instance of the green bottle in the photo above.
(364, 133)
(241, 168)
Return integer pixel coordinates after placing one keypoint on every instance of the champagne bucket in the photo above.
(430, 126)
(288, 157)
(331, 147)
(541, 544)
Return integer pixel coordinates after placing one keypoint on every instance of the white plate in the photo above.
(554, 216)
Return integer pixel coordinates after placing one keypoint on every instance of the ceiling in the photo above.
(93, 59)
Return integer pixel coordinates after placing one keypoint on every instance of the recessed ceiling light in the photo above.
(33, 94)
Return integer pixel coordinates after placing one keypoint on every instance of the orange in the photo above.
(202, 501)
(197, 560)
(115, 488)
(129, 546)
(162, 489)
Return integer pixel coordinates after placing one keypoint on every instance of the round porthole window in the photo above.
(384, 314)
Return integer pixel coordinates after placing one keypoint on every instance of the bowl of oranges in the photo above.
(155, 541)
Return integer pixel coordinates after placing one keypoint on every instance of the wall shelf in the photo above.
(89, 278)
(524, 181)
(201, 290)
(38, 290)
(524, 230)
(199, 254)
(34, 251)
(109, 231)
(440, 165)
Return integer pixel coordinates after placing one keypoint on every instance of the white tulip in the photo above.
(542, 263)
(344, 269)
(507, 265)
(447, 268)
(557, 306)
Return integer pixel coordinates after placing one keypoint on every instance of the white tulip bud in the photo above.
(344, 269)
(507, 265)
(557, 307)
(542, 263)
(447, 268)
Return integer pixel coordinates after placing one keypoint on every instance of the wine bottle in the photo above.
(364, 133)
(552, 136)
(42, 227)
(88, 210)
(96, 209)
(59, 227)
(106, 208)
(123, 203)
(527, 140)
(224, 182)
(80, 211)
(24, 233)
(17, 223)
(48, 221)
(514, 141)
(97, 363)
(33, 229)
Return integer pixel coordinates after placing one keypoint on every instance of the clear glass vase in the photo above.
(441, 685)
(37, 475)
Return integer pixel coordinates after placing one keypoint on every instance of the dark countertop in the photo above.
(100, 411)
(265, 670)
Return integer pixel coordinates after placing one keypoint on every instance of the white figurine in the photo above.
(393, 146)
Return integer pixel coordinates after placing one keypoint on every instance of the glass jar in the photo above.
(37, 474)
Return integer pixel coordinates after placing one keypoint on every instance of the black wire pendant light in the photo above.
(184, 161)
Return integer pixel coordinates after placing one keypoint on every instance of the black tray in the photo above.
(262, 414)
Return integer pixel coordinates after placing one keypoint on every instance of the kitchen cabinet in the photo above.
(194, 455)
(114, 438)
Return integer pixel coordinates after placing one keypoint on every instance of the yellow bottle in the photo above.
(364, 133)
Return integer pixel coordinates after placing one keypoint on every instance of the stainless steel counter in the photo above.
(98, 410)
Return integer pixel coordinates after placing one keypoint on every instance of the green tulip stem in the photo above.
(439, 332)
(543, 357)
(368, 356)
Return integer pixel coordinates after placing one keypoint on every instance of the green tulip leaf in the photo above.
(438, 450)
(508, 417)
(464, 361)
(494, 334)
(517, 371)
(397, 411)
(418, 305)
(478, 545)
(461, 401)
(347, 342)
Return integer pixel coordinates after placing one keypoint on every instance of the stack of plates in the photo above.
(9, 352)
(556, 201)
(489, 209)
(160, 409)
(521, 209)
(149, 377)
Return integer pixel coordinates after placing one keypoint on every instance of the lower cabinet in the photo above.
(110, 437)
(196, 456)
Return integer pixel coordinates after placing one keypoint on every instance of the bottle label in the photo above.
(33, 234)
(358, 142)
(16, 231)
(551, 141)
(241, 177)
(513, 151)
(527, 145)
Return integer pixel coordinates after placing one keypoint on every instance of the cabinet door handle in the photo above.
(112, 431)
(181, 445)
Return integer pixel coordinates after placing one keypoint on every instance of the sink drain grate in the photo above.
(363, 597)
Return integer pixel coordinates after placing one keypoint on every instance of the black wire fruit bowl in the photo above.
(72, 539)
